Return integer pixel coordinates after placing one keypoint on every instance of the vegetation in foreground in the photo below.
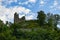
(44, 28)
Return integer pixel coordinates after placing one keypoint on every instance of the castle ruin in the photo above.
(17, 19)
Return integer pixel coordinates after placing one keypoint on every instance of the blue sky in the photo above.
(27, 8)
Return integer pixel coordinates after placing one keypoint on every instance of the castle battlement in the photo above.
(17, 19)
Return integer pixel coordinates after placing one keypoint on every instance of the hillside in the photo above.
(44, 28)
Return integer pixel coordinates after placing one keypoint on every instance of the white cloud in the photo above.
(6, 14)
(23, 3)
(29, 17)
(3, 18)
(56, 5)
(33, 1)
(42, 2)
(27, 2)
(2, 13)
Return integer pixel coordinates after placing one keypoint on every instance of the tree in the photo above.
(50, 19)
(56, 19)
(41, 18)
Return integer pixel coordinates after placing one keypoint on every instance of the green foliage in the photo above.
(41, 18)
(41, 29)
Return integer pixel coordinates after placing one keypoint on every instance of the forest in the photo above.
(44, 28)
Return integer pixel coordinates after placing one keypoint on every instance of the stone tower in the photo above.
(16, 17)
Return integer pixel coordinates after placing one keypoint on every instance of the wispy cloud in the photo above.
(56, 5)
(43, 2)
(28, 2)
